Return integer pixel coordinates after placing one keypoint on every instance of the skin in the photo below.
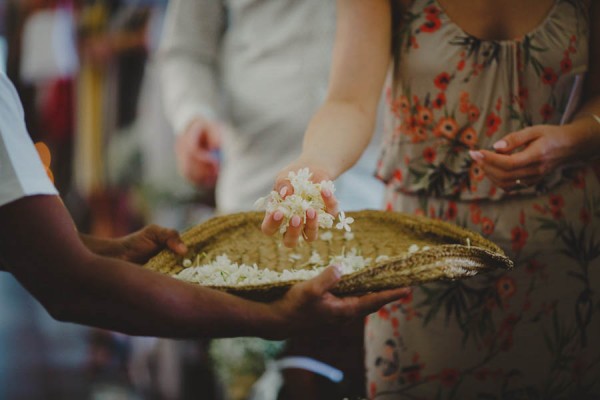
(137, 247)
(342, 127)
(77, 283)
(194, 148)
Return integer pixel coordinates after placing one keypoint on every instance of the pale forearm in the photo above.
(337, 135)
(343, 126)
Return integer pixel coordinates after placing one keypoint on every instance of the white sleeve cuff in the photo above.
(184, 116)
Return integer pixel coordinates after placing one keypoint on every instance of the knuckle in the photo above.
(541, 169)
(171, 233)
(153, 228)
(314, 292)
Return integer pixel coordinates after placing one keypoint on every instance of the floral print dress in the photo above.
(534, 332)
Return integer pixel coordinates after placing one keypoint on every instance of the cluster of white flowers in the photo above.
(456, 271)
(223, 272)
(307, 194)
(413, 248)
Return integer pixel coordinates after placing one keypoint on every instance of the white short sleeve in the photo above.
(21, 170)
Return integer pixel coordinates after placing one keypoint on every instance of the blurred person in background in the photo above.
(142, 158)
(240, 80)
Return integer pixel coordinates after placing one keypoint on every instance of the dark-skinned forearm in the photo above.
(40, 247)
(100, 246)
(139, 302)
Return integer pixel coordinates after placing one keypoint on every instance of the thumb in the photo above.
(175, 244)
(515, 140)
(284, 188)
(203, 139)
(212, 132)
(167, 237)
(325, 281)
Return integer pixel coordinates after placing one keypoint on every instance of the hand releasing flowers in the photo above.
(301, 206)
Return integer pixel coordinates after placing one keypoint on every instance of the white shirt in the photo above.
(21, 170)
(262, 67)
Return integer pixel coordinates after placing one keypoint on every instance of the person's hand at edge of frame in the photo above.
(140, 246)
(310, 305)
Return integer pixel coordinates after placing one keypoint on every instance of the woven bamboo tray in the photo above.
(453, 252)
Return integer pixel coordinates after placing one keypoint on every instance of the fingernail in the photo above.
(326, 193)
(277, 216)
(295, 221)
(182, 247)
(283, 191)
(338, 270)
(476, 155)
(310, 213)
(501, 144)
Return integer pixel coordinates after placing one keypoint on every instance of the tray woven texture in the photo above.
(450, 254)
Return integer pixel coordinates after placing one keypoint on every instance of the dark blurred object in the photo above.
(341, 348)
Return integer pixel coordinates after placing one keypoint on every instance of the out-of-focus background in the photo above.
(86, 73)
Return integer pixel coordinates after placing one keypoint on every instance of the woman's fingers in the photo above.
(272, 222)
(508, 180)
(294, 230)
(311, 229)
(516, 139)
(284, 188)
(331, 203)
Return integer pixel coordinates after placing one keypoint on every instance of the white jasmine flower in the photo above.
(295, 257)
(315, 258)
(261, 203)
(223, 272)
(187, 263)
(344, 222)
(307, 194)
(325, 220)
(327, 185)
(326, 236)
(413, 248)
(302, 175)
(381, 258)
(348, 235)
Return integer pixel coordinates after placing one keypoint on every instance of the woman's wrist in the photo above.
(584, 138)
(320, 165)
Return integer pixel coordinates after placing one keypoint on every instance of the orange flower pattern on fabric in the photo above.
(459, 92)
(459, 105)
(496, 313)
(46, 157)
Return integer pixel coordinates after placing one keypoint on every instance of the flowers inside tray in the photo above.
(384, 250)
